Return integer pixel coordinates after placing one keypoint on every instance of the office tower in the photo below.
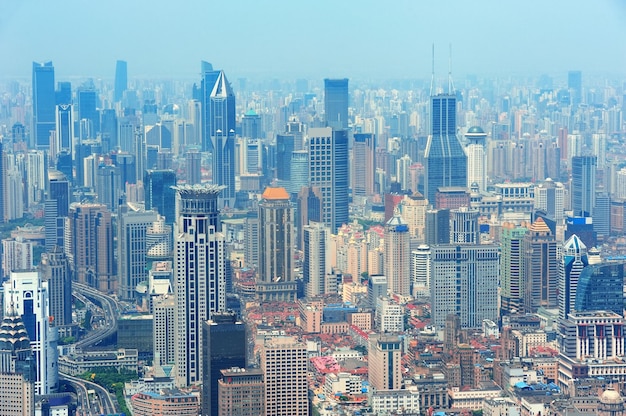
(476, 161)
(241, 392)
(600, 287)
(512, 269)
(328, 170)
(388, 315)
(420, 271)
(316, 253)
(164, 324)
(63, 93)
(121, 80)
(336, 103)
(363, 165)
(17, 254)
(200, 279)
(125, 164)
(159, 193)
(251, 238)
(402, 172)
(29, 295)
(132, 249)
(64, 129)
(218, 123)
(572, 263)
(583, 186)
(574, 84)
(464, 282)
(285, 147)
(251, 125)
(194, 167)
(550, 198)
(377, 287)
(438, 227)
(109, 186)
(57, 206)
(17, 367)
(602, 214)
(3, 185)
(91, 227)
(284, 364)
(540, 267)
(55, 269)
(445, 160)
(224, 346)
(36, 168)
(464, 226)
(299, 171)
(276, 237)
(88, 115)
(385, 362)
(398, 256)
(109, 129)
(44, 102)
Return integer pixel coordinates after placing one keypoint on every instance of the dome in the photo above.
(475, 130)
(611, 396)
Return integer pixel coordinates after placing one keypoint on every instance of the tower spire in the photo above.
(432, 78)
(450, 83)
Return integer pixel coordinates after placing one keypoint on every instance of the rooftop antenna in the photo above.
(450, 83)
(432, 79)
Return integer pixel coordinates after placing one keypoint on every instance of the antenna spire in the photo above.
(450, 83)
(432, 78)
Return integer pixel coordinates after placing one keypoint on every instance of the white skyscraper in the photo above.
(420, 271)
(398, 255)
(316, 258)
(476, 158)
(402, 172)
(200, 275)
(28, 294)
(35, 176)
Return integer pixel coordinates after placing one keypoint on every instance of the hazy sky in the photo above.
(306, 38)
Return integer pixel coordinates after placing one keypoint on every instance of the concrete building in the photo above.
(241, 392)
(384, 363)
(398, 256)
(316, 265)
(164, 324)
(166, 403)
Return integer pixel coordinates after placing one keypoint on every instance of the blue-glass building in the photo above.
(445, 159)
(159, 193)
(601, 288)
(121, 80)
(44, 103)
(336, 103)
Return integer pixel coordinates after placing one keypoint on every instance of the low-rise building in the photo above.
(388, 402)
(79, 362)
(166, 403)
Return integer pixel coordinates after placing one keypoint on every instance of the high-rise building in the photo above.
(164, 325)
(121, 80)
(541, 286)
(572, 263)
(363, 164)
(194, 167)
(464, 282)
(398, 256)
(132, 249)
(44, 102)
(91, 227)
(64, 129)
(88, 114)
(385, 362)
(600, 287)
(438, 227)
(55, 269)
(575, 86)
(17, 367)
(3, 185)
(445, 159)
(316, 252)
(285, 146)
(200, 275)
(57, 206)
(476, 160)
(299, 171)
(241, 392)
(377, 287)
(29, 295)
(17, 254)
(420, 271)
(512, 269)
(336, 103)
(583, 185)
(550, 198)
(219, 124)
(224, 346)
(309, 210)
(284, 364)
(159, 193)
(328, 170)
(276, 240)
(464, 227)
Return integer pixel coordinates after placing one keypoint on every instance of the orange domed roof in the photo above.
(275, 193)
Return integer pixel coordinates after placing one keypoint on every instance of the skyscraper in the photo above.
(285, 146)
(476, 160)
(159, 193)
(284, 364)
(55, 269)
(573, 262)
(200, 275)
(420, 271)
(88, 114)
(398, 256)
(3, 185)
(601, 288)
(464, 226)
(540, 267)
(445, 159)
(363, 165)
(224, 347)
(28, 294)
(57, 206)
(121, 80)
(336, 103)
(583, 185)
(316, 258)
(328, 170)
(64, 128)
(512, 269)
(574, 84)
(218, 123)
(194, 167)
(44, 102)
(276, 241)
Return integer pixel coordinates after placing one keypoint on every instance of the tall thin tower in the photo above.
(44, 104)
(200, 275)
(121, 80)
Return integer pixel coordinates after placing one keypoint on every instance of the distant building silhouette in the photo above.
(336, 103)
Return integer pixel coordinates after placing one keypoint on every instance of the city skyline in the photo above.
(507, 39)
